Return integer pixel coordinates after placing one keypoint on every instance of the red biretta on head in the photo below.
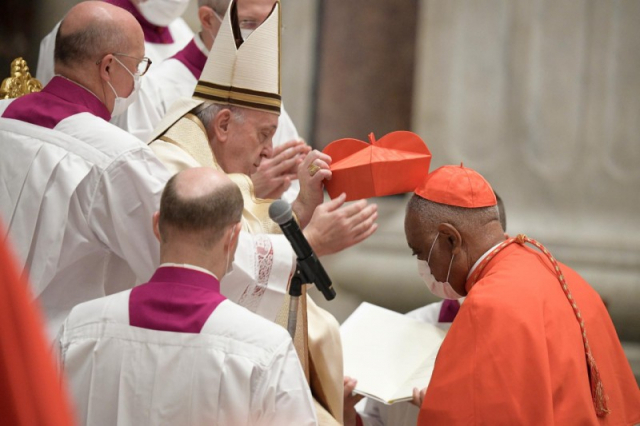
(395, 164)
(457, 186)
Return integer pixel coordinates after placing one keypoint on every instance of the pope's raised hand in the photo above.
(274, 175)
(336, 226)
(311, 172)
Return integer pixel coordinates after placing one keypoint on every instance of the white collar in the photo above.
(481, 258)
(198, 41)
(187, 266)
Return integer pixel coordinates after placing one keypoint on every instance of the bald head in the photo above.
(200, 182)
(93, 29)
(197, 205)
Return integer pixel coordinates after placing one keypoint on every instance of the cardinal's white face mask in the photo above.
(162, 12)
(229, 259)
(440, 289)
(120, 105)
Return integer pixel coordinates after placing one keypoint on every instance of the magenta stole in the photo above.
(58, 100)
(448, 310)
(152, 33)
(175, 299)
(192, 57)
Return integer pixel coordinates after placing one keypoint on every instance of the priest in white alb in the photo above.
(175, 351)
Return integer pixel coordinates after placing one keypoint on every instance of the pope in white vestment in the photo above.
(161, 41)
(77, 195)
(174, 351)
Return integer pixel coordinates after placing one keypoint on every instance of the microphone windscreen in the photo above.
(280, 212)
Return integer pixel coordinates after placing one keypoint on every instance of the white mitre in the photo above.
(243, 73)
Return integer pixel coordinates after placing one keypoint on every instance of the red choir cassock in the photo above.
(515, 354)
(31, 392)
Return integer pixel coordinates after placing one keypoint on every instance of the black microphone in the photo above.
(309, 265)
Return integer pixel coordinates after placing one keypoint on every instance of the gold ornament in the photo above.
(20, 82)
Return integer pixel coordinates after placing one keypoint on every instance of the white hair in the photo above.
(208, 110)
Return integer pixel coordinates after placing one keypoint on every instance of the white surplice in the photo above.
(157, 52)
(77, 201)
(240, 370)
(181, 33)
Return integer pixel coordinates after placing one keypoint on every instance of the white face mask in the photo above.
(440, 289)
(245, 33)
(213, 36)
(162, 12)
(229, 259)
(120, 105)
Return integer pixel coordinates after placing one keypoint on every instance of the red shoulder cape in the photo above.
(514, 354)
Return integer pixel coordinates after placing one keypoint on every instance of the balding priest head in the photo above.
(101, 47)
(199, 220)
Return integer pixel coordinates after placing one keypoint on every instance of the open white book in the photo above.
(388, 353)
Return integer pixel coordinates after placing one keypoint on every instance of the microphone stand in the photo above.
(298, 279)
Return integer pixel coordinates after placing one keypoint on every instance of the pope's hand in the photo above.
(418, 396)
(274, 175)
(350, 401)
(311, 172)
(336, 226)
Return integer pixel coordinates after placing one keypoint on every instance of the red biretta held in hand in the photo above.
(395, 164)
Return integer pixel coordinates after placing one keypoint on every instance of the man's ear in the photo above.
(451, 236)
(236, 233)
(231, 236)
(104, 66)
(220, 125)
(156, 227)
(207, 19)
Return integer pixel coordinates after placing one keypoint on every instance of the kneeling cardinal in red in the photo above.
(533, 343)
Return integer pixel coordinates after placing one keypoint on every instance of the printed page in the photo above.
(385, 351)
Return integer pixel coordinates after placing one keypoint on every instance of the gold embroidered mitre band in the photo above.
(244, 73)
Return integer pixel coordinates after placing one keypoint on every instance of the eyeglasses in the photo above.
(143, 63)
(248, 24)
